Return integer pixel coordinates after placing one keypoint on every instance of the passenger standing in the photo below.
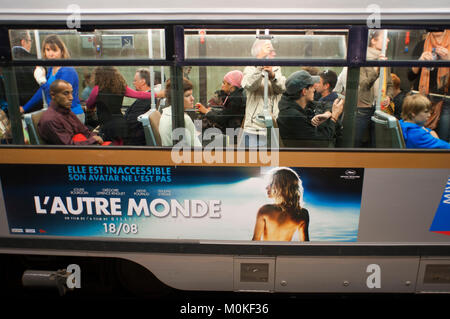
(328, 79)
(436, 46)
(341, 82)
(368, 90)
(255, 132)
(53, 48)
(26, 83)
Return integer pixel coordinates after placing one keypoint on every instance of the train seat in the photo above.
(31, 121)
(150, 123)
(388, 132)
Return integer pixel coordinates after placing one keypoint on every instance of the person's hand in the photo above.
(39, 75)
(386, 101)
(426, 56)
(269, 71)
(201, 108)
(337, 108)
(442, 53)
(98, 139)
(381, 57)
(21, 109)
(320, 118)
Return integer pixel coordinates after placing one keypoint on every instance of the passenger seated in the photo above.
(217, 99)
(233, 110)
(165, 124)
(300, 117)
(26, 83)
(88, 85)
(416, 111)
(107, 97)
(59, 125)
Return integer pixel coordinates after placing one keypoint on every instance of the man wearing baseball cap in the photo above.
(300, 117)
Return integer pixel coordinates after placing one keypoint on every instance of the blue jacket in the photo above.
(417, 136)
(64, 73)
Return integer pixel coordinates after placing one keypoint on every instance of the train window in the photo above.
(113, 102)
(260, 104)
(99, 44)
(285, 44)
(407, 44)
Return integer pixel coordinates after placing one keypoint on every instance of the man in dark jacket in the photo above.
(26, 83)
(136, 135)
(300, 117)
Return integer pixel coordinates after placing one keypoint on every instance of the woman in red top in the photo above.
(107, 98)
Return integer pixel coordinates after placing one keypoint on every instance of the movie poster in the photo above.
(441, 221)
(183, 202)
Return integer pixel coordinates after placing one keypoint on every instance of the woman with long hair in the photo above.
(53, 48)
(110, 87)
(280, 220)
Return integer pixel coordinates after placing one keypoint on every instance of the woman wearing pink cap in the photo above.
(232, 113)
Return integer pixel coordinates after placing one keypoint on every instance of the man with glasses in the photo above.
(26, 84)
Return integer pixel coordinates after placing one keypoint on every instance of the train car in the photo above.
(368, 218)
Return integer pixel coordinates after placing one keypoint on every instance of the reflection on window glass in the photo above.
(286, 44)
(100, 44)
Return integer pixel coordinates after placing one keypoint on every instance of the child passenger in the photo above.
(415, 112)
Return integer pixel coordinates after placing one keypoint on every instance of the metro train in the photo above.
(149, 218)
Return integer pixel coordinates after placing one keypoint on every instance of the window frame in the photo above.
(175, 59)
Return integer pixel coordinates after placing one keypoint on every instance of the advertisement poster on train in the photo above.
(183, 202)
(441, 221)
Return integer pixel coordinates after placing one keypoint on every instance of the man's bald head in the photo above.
(61, 93)
(55, 86)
